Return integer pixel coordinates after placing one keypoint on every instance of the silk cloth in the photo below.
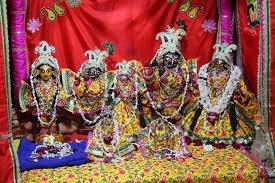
(130, 25)
(7, 170)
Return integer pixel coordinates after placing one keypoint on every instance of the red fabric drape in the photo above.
(130, 25)
(6, 168)
(249, 42)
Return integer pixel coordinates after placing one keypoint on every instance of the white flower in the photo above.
(49, 140)
(208, 148)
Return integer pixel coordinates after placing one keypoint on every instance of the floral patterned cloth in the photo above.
(221, 165)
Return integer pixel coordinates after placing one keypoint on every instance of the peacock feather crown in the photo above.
(95, 59)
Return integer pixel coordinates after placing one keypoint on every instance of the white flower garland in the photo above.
(87, 121)
(224, 99)
(39, 113)
(63, 149)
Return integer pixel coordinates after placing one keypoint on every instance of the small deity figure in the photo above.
(228, 113)
(115, 136)
(171, 90)
(90, 87)
(44, 95)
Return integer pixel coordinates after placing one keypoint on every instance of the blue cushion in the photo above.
(26, 163)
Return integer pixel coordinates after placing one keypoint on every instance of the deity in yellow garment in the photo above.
(116, 134)
(90, 86)
(228, 113)
(170, 96)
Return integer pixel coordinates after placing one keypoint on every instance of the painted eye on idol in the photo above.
(45, 72)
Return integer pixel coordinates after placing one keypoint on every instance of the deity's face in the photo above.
(171, 60)
(125, 85)
(45, 72)
(93, 72)
(218, 74)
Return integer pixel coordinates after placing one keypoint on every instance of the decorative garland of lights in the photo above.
(224, 99)
(183, 95)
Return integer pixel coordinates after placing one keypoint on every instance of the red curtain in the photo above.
(249, 44)
(7, 166)
(130, 25)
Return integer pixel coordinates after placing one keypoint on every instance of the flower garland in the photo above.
(97, 133)
(39, 113)
(170, 152)
(224, 99)
(51, 148)
(87, 121)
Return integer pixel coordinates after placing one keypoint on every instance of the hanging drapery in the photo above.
(267, 68)
(130, 26)
(9, 168)
(17, 13)
(248, 37)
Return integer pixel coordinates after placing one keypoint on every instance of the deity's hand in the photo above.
(164, 77)
(62, 102)
(87, 80)
(238, 94)
(77, 81)
(147, 73)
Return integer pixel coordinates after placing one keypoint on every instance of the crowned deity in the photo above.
(116, 134)
(228, 113)
(44, 94)
(171, 90)
(88, 87)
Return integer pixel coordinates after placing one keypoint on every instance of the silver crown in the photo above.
(223, 52)
(45, 58)
(95, 59)
(124, 67)
(170, 42)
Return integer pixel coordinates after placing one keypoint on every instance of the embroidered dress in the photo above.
(116, 134)
(45, 93)
(228, 112)
(169, 93)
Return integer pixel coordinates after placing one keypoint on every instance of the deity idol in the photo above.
(171, 90)
(88, 87)
(228, 112)
(116, 134)
(44, 95)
